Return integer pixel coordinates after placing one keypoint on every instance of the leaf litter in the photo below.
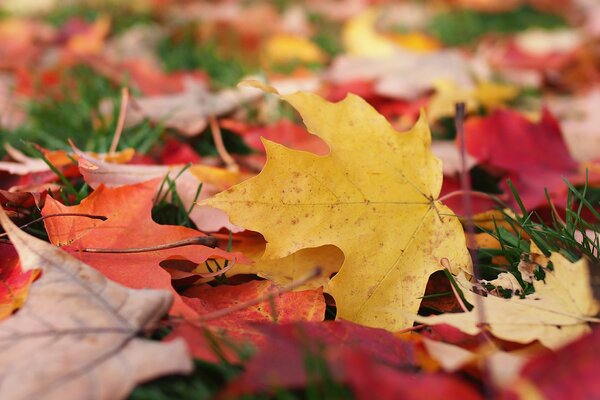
(135, 91)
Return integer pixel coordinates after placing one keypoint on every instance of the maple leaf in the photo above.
(238, 326)
(370, 380)
(283, 361)
(558, 312)
(404, 75)
(373, 197)
(186, 181)
(83, 330)
(540, 160)
(129, 225)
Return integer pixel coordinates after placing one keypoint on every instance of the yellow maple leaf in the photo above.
(285, 48)
(558, 312)
(361, 39)
(487, 94)
(373, 197)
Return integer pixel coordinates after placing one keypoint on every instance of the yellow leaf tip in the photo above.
(257, 84)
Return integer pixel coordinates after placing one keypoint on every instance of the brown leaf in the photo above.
(82, 330)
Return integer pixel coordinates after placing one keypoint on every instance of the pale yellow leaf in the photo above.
(557, 313)
(78, 334)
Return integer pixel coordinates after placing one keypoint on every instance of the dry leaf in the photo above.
(580, 123)
(373, 197)
(405, 75)
(82, 330)
(557, 313)
(96, 172)
(187, 111)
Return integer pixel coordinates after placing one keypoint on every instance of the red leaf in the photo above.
(14, 283)
(175, 152)
(570, 373)
(370, 380)
(307, 305)
(129, 225)
(282, 362)
(533, 155)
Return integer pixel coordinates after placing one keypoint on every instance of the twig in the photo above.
(220, 146)
(198, 240)
(465, 183)
(100, 217)
(238, 307)
(410, 329)
(120, 121)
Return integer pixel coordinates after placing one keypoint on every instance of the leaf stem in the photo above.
(198, 240)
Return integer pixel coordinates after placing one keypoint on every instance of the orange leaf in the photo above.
(129, 225)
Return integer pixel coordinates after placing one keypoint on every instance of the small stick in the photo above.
(120, 121)
(465, 183)
(220, 146)
(198, 240)
(100, 217)
(410, 329)
(238, 307)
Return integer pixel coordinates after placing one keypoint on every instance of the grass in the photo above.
(556, 236)
(121, 16)
(182, 52)
(464, 27)
(76, 115)
(168, 208)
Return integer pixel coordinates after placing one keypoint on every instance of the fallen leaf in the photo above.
(447, 94)
(187, 111)
(83, 330)
(283, 362)
(544, 42)
(286, 48)
(579, 123)
(14, 283)
(370, 380)
(361, 39)
(569, 372)
(538, 160)
(129, 225)
(451, 158)
(405, 75)
(238, 326)
(557, 313)
(373, 197)
(487, 94)
(213, 180)
(91, 39)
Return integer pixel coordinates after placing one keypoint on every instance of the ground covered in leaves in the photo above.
(299, 199)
